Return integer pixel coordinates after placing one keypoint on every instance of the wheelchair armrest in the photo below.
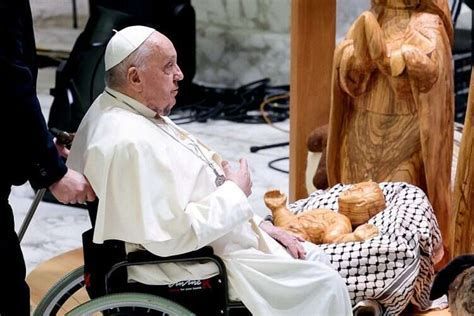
(144, 256)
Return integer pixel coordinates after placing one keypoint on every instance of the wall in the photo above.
(52, 13)
(238, 41)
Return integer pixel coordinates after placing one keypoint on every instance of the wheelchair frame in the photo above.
(74, 281)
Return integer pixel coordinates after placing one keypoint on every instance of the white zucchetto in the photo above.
(124, 42)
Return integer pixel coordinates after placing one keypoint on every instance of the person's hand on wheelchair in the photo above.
(73, 187)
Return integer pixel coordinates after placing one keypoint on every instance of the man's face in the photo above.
(160, 76)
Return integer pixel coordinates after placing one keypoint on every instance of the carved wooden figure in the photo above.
(317, 225)
(392, 101)
(464, 186)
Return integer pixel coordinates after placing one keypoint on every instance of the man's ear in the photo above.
(134, 80)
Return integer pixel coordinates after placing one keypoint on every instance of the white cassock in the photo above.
(155, 192)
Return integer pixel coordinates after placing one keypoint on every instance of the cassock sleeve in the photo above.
(144, 199)
(211, 218)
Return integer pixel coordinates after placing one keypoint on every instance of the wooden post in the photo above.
(463, 228)
(313, 32)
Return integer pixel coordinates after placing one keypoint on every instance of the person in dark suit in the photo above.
(28, 150)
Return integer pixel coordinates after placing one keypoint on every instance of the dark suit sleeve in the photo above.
(31, 152)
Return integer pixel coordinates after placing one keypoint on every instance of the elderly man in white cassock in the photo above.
(162, 190)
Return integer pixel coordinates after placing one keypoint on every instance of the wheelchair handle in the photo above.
(62, 137)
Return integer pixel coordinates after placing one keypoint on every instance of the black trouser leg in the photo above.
(15, 297)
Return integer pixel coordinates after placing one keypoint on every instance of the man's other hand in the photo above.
(241, 177)
(72, 188)
(292, 243)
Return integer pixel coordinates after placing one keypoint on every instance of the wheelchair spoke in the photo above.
(130, 304)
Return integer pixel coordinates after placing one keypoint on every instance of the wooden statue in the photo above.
(323, 225)
(464, 185)
(361, 202)
(392, 101)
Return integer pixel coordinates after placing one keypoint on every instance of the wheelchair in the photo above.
(104, 276)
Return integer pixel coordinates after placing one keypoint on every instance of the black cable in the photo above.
(271, 164)
(254, 149)
(238, 105)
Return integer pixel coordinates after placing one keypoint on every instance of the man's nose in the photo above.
(178, 74)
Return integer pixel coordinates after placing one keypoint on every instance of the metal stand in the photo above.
(74, 14)
(31, 212)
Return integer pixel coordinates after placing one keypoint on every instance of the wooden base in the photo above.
(45, 275)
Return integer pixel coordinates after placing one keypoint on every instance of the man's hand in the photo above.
(241, 177)
(72, 188)
(290, 242)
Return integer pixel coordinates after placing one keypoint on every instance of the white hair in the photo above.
(116, 76)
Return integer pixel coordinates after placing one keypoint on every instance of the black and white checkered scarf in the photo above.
(396, 267)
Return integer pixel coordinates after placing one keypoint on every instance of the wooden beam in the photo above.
(313, 31)
(463, 222)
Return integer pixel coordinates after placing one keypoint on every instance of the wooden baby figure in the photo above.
(322, 225)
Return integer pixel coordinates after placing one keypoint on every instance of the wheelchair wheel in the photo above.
(60, 293)
(130, 304)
